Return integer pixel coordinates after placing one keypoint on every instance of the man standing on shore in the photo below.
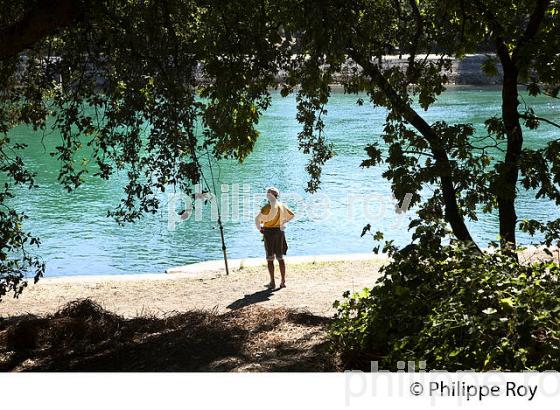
(271, 222)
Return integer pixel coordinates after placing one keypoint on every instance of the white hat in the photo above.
(274, 190)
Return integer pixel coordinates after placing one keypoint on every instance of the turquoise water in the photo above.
(78, 238)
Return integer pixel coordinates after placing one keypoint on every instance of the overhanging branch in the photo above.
(45, 18)
(452, 211)
(534, 117)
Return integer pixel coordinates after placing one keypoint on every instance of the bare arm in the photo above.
(287, 216)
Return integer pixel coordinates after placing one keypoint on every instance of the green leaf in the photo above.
(507, 302)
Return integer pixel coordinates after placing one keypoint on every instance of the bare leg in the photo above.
(282, 273)
(271, 273)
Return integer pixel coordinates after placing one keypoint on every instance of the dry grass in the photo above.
(82, 336)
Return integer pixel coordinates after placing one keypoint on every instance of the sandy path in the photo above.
(311, 286)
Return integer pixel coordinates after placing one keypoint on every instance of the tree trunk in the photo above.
(507, 180)
(508, 172)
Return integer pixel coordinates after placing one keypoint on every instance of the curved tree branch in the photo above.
(45, 18)
(452, 211)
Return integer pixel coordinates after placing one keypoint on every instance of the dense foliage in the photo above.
(455, 310)
(148, 85)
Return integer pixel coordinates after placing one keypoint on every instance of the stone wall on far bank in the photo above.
(468, 71)
(465, 71)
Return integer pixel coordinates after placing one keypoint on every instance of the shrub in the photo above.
(455, 309)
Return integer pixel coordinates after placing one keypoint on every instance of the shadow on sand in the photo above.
(253, 298)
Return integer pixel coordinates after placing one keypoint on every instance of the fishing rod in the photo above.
(220, 225)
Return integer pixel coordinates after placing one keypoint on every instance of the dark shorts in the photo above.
(275, 243)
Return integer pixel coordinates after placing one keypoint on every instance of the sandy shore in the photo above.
(312, 285)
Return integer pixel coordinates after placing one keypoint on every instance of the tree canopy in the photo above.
(135, 81)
